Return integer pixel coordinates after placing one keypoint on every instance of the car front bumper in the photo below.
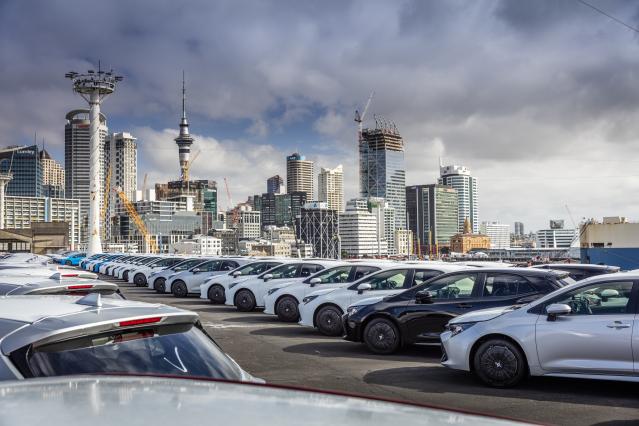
(456, 350)
(352, 329)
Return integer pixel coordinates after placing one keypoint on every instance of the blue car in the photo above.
(73, 259)
(96, 265)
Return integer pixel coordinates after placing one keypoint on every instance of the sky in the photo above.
(540, 99)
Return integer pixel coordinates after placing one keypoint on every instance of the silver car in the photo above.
(28, 285)
(584, 330)
(42, 336)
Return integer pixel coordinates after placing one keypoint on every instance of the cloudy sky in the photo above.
(539, 98)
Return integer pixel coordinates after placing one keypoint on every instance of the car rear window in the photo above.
(181, 350)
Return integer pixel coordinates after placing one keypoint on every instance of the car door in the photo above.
(385, 283)
(330, 278)
(452, 294)
(204, 272)
(596, 337)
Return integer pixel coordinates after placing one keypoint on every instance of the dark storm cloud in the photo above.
(498, 85)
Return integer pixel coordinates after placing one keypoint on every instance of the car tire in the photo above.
(158, 285)
(216, 294)
(245, 301)
(381, 336)
(68, 263)
(329, 321)
(286, 309)
(139, 280)
(179, 289)
(499, 363)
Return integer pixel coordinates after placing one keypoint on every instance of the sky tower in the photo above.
(184, 139)
(94, 87)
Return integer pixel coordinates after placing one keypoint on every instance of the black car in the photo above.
(418, 315)
(580, 271)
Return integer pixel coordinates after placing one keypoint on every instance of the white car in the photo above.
(323, 309)
(188, 282)
(139, 275)
(214, 289)
(588, 329)
(123, 272)
(283, 300)
(248, 295)
(157, 279)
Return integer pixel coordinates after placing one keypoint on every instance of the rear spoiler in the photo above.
(59, 275)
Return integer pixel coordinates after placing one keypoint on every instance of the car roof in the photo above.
(48, 317)
(532, 272)
(577, 266)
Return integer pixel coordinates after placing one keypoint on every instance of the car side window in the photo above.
(334, 275)
(309, 269)
(362, 271)
(228, 265)
(503, 285)
(598, 299)
(285, 271)
(453, 287)
(421, 276)
(388, 280)
(210, 266)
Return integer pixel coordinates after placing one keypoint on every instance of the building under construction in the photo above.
(317, 225)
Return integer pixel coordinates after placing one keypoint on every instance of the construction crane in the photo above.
(187, 169)
(137, 220)
(144, 182)
(105, 204)
(359, 118)
(235, 213)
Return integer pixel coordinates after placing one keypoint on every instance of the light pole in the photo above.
(93, 87)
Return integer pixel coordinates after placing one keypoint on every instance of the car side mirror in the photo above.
(196, 270)
(236, 274)
(423, 297)
(267, 277)
(314, 281)
(557, 309)
(363, 287)
(608, 293)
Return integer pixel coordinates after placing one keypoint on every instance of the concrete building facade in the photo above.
(299, 175)
(358, 231)
(499, 234)
(465, 184)
(330, 188)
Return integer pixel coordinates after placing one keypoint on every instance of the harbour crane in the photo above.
(151, 243)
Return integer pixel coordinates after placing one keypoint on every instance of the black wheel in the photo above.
(499, 363)
(329, 321)
(245, 301)
(216, 294)
(139, 280)
(158, 285)
(381, 336)
(286, 309)
(68, 263)
(179, 289)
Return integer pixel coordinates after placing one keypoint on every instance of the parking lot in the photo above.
(292, 355)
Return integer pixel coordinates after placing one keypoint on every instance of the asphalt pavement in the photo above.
(293, 355)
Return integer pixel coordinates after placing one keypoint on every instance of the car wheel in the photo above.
(68, 263)
(499, 363)
(179, 289)
(216, 294)
(158, 285)
(139, 280)
(286, 309)
(245, 301)
(381, 336)
(329, 321)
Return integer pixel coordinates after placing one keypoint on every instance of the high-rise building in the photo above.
(275, 209)
(358, 231)
(23, 162)
(556, 236)
(122, 154)
(330, 187)
(459, 177)
(275, 185)
(432, 212)
(382, 167)
(499, 234)
(519, 229)
(385, 218)
(317, 225)
(299, 175)
(77, 155)
(52, 176)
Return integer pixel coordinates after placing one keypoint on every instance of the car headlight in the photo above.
(352, 310)
(273, 290)
(455, 329)
(308, 299)
(232, 285)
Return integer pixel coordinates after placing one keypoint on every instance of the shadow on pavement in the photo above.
(342, 349)
(262, 319)
(291, 331)
(575, 391)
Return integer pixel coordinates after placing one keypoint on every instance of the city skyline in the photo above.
(516, 132)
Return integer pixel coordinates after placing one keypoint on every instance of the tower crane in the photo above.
(359, 118)
(144, 182)
(235, 214)
(187, 168)
(137, 220)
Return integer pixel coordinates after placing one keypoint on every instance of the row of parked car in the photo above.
(498, 321)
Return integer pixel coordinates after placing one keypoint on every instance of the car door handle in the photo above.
(618, 324)
(464, 305)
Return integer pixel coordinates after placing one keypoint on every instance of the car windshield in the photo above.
(254, 268)
(334, 275)
(186, 265)
(181, 350)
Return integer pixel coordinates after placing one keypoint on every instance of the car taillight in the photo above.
(70, 275)
(139, 321)
(79, 287)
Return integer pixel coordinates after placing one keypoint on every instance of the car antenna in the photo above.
(91, 299)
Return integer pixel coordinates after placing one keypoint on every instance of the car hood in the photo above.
(482, 315)
(72, 401)
(322, 292)
(369, 301)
